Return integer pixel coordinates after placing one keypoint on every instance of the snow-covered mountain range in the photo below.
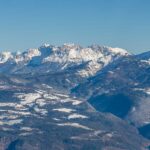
(48, 58)
(74, 98)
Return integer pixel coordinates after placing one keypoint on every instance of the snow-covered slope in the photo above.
(48, 58)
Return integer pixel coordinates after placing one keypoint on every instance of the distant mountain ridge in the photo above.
(60, 57)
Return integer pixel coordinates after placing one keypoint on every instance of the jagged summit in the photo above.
(53, 58)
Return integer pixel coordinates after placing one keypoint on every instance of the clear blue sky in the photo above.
(116, 23)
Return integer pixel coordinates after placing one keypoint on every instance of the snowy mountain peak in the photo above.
(46, 45)
(107, 49)
(33, 52)
(56, 58)
(5, 56)
(119, 51)
(70, 46)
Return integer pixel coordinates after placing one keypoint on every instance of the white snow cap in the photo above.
(46, 45)
(95, 57)
(5, 56)
(118, 50)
